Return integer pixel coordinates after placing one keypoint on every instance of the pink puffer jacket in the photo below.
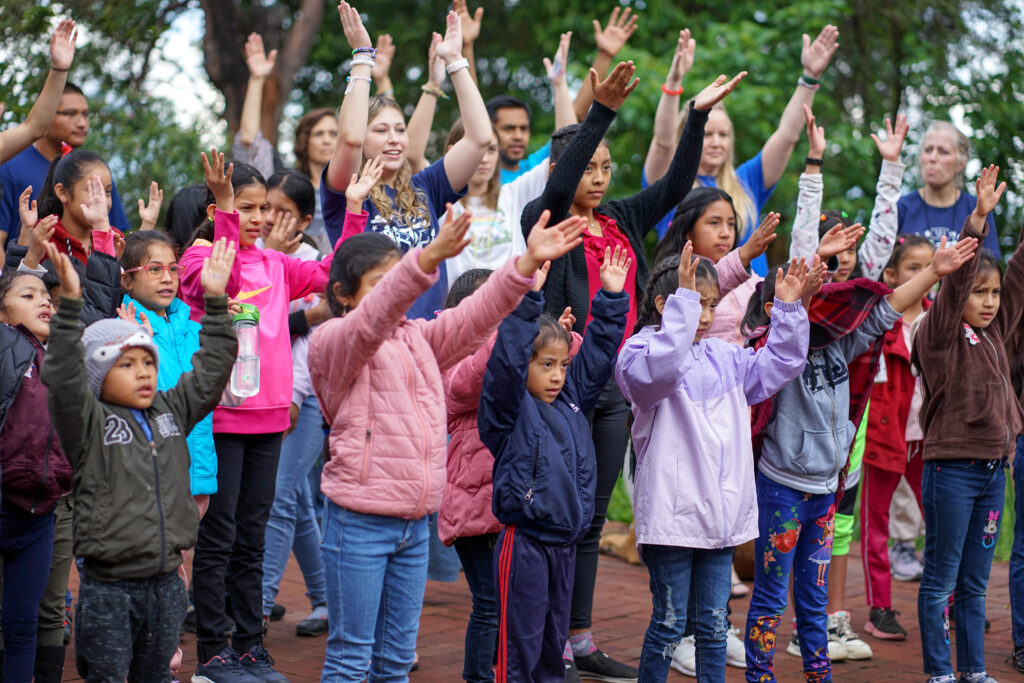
(737, 285)
(378, 378)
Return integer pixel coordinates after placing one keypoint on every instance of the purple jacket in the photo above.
(695, 465)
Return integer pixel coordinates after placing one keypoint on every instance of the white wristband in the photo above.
(352, 82)
(457, 65)
(365, 61)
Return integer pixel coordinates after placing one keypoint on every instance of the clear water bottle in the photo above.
(245, 377)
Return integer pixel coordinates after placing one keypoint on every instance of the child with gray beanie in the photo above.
(134, 511)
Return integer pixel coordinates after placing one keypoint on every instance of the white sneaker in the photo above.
(684, 659)
(836, 650)
(839, 629)
(735, 651)
(794, 643)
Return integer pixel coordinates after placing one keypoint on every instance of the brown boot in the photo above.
(622, 546)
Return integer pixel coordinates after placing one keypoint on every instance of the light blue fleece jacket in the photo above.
(808, 439)
(177, 339)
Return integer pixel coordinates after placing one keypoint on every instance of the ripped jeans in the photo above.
(671, 568)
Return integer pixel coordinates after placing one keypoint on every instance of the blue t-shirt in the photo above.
(526, 164)
(30, 168)
(751, 176)
(437, 190)
(914, 216)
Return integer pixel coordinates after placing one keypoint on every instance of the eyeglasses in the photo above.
(74, 114)
(155, 272)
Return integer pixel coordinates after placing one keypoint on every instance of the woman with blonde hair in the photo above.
(751, 183)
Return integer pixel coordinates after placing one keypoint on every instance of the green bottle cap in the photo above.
(249, 312)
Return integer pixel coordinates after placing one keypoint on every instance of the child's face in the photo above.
(251, 205)
(155, 293)
(983, 303)
(131, 382)
(72, 198)
(547, 371)
(488, 164)
(281, 206)
(367, 282)
(847, 262)
(595, 180)
(913, 261)
(714, 233)
(28, 303)
(709, 296)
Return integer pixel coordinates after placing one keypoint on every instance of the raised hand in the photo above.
(352, 25)
(556, 69)
(759, 240)
(70, 285)
(127, 312)
(435, 65)
(541, 276)
(716, 92)
(816, 135)
(550, 243)
(815, 56)
(451, 239)
(613, 37)
(39, 236)
(95, 209)
(259, 62)
(988, 193)
(687, 270)
(62, 45)
(359, 186)
(890, 149)
(470, 22)
(567, 320)
(948, 259)
(217, 268)
(614, 269)
(838, 239)
(218, 179)
(450, 47)
(815, 279)
(150, 213)
(385, 55)
(27, 210)
(790, 287)
(613, 91)
(682, 60)
(283, 236)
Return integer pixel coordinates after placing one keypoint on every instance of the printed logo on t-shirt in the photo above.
(167, 426)
(116, 431)
(409, 235)
(936, 232)
(818, 373)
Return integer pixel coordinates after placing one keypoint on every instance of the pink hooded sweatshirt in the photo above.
(377, 375)
(269, 280)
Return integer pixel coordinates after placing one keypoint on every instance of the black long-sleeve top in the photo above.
(566, 283)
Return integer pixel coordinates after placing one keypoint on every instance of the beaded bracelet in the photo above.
(434, 90)
(366, 51)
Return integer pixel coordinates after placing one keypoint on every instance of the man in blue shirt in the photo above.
(71, 125)
(511, 118)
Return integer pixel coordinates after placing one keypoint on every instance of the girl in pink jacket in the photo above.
(228, 563)
(377, 375)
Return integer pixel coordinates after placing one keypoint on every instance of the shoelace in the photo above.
(231, 661)
(261, 657)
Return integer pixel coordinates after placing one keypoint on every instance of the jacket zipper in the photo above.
(159, 507)
(368, 445)
(419, 418)
(573, 467)
(835, 411)
(1006, 389)
(533, 472)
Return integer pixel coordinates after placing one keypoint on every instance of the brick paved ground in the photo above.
(622, 608)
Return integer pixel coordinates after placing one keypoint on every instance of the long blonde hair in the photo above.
(726, 178)
(410, 203)
(490, 197)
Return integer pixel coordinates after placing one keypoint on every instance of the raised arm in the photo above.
(352, 118)
(261, 66)
(804, 237)
(380, 72)
(814, 58)
(666, 117)
(62, 53)
(609, 40)
(422, 119)
(877, 248)
(462, 160)
(471, 24)
(565, 115)
(225, 226)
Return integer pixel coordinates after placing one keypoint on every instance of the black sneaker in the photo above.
(277, 612)
(1018, 658)
(258, 663)
(313, 625)
(882, 624)
(597, 666)
(223, 668)
(571, 674)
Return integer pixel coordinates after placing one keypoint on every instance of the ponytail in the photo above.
(755, 315)
(66, 171)
(665, 280)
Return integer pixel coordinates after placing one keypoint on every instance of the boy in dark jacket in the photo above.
(532, 417)
(134, 512)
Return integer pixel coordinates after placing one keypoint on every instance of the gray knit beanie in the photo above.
(106, 340)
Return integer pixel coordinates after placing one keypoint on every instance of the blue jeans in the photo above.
(1017, 556)
(671, 569)
(477, 556)
(292, 523)
(795, 532)
(442, 561)
(376, 574)
(26, 547)
(963, 501)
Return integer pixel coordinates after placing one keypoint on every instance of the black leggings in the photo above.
(611, 434)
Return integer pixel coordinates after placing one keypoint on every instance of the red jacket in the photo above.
(885, 441)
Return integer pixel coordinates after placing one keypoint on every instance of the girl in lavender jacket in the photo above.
(695, 499)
